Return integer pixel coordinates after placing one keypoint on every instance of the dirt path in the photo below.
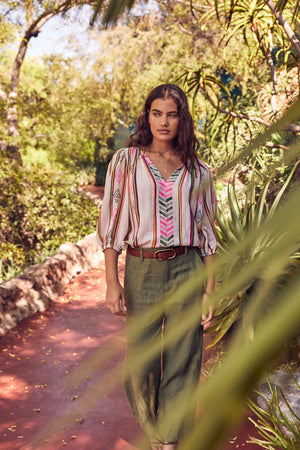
(37, 359)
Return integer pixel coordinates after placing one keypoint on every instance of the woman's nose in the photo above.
(164, 120)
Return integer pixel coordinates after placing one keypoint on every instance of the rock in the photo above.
(39, 284)
(287, 387)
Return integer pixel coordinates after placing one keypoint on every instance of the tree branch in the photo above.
(232, 113)
(269, 58)
(286, 26)
(271, 145)
(271, 65)
(177, 22)
(294, 128)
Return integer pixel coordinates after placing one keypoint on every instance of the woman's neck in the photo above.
(162, 148)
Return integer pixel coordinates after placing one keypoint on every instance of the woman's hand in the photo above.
(208, 311)
(115, 298)
(115, 295)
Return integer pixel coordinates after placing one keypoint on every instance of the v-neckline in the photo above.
(151, 164)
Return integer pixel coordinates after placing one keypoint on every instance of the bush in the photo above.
(12, 257)
(39, 210)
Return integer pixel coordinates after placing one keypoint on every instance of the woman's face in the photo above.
(163, 119)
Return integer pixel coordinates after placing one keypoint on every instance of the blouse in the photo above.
(142, 209)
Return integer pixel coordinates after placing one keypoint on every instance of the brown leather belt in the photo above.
(161, 254)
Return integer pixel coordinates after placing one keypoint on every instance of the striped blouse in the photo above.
(142, 209)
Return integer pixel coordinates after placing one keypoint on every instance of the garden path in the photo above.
(41, 362)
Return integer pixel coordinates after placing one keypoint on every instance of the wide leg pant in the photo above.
(159, 389)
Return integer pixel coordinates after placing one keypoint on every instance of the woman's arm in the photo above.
(115, 296)
(208, 310)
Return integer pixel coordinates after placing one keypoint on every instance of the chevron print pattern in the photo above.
(166, 213)
(166, 216)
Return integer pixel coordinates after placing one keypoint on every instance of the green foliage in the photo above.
(67, 117)
(73, 114)
(12, 260)
(8, 29)
(13, 253)
(277, 430)
(232, 227)
(245, 92)
(224, 127)
(39, 211)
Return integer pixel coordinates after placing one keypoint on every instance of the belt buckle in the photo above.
(164, 251)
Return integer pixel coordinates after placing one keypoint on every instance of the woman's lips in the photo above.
(163, 131)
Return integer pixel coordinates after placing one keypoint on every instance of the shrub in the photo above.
(39, 210)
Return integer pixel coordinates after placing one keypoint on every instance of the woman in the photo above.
(159, 203)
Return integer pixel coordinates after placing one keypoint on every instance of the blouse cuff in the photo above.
(208, 252)
(118, 248)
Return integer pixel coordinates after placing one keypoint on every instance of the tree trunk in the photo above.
(13, 149)
(12, 113)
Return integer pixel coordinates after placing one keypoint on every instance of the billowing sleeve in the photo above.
(113, 223)
(207, 211)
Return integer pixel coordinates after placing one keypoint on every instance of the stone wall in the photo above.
(38, 285)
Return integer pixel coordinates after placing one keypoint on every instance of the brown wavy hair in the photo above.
(186, 143)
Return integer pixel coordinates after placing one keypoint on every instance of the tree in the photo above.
(268, 27)
(36, 15)
(252, 27)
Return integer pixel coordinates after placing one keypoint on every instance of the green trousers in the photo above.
(162, 365)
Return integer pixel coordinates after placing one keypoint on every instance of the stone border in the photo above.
(38, 285)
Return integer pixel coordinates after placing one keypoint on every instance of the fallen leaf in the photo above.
(79, 420)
